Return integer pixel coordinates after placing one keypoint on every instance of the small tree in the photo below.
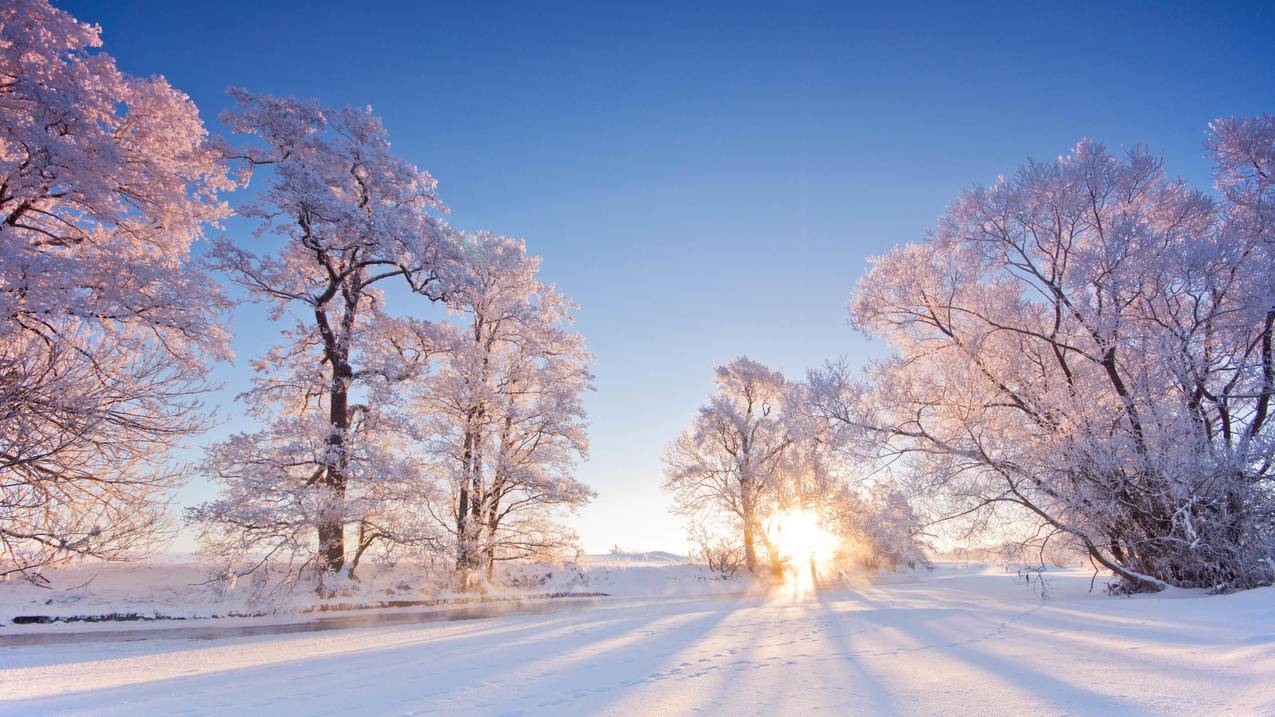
(731, 460)
(886, 528)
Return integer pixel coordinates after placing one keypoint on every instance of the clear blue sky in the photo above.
(707, 180)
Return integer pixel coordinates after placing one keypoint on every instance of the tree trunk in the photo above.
(469, 516)
(331, 526)
(364, 542)
(493, 525)
(772, 552)
(497, 490)
(336, 349)
(750, 527)
(464, 560)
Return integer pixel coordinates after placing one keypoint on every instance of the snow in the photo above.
(183, 588)
(959, 640)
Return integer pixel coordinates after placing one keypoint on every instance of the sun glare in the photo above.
(806, 545)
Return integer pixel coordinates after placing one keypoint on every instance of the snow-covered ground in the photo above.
(959, 640)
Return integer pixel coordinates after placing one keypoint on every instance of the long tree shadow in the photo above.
(1076, 629)
(726, 661)
(108, 655)
(878, 698)
(422, 675)
(1056, 695)
(796, 679)
(651, 659)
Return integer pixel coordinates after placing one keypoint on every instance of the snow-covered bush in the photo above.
(888, 530)
(723, 554)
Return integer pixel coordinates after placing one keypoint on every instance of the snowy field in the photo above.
(959, 640)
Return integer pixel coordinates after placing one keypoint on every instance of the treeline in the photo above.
(381, 430)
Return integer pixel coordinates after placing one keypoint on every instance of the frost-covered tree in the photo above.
(352, 218)
(106, 329)
(881, 527)
(865, 515)
(730, 464)
(503, 411)
(265, 521)
(1087, 346)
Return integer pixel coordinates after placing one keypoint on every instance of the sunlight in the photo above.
(807, 546)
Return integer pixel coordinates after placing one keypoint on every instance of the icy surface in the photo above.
(960, 640)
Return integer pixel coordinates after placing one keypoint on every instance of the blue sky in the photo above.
(707, 180)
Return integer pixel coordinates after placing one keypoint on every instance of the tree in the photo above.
(1088, 344)
(353, 217)
(106, 328)
(731, 460)
(883, 527)
(504, 409)
(266, 518)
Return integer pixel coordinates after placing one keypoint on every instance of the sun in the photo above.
(806, 544)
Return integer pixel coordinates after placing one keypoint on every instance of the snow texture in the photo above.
(959, 640)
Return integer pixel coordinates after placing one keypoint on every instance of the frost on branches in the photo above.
(331, 473)
(728, 466)
(503, 412)
(761, 449)
(1086, 347)
(105, 327)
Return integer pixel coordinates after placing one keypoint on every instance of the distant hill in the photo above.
(653, 556)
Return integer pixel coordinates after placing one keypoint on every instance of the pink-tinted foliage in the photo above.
(503, 415)
(353, 218)
(106, 328)
(1085, 347)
